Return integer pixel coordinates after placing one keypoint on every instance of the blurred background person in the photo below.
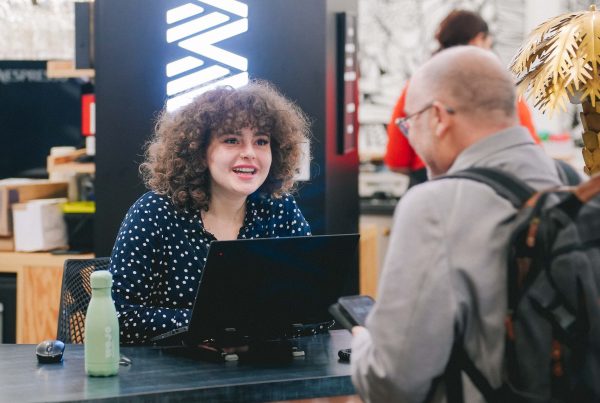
(460, 27)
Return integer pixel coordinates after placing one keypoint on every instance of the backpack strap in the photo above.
(567, 174)
(460, 361)
(505, 184)
(517, 192)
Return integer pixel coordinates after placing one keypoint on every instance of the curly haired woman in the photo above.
(219, 168)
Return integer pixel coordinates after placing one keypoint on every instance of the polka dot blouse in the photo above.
(160, 252)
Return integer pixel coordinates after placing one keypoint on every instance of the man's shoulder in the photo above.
(451, 193)
(443, 185)
(448, 193)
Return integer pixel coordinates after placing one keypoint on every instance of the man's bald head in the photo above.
(459, 97)
(470, 80)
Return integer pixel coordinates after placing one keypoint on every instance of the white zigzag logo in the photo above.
(199, 36)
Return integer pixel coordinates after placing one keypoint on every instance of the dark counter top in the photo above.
(160, 375)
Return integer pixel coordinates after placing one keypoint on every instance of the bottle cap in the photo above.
(101, 279)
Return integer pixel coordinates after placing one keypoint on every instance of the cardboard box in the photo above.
(7, 244)
(39, 225)
(22, 190)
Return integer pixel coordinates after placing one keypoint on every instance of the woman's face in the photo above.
(238, 163)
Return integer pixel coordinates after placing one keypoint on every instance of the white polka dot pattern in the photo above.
(160, 252)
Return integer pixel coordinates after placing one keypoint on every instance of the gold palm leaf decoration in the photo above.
(560, 62)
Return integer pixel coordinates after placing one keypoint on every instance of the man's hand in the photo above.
(357, 329)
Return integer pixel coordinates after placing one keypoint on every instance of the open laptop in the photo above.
(264, 288)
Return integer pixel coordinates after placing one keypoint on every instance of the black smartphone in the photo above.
(352, 310)
(340, 316)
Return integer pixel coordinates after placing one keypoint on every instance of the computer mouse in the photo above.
(50, 351)
(345, 354)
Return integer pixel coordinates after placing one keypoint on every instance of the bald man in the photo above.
(444, 277)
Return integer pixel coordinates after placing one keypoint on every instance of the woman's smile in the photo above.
(239, 162)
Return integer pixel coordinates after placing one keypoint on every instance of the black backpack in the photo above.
(552, 349)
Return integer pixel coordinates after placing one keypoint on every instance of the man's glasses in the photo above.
(404, 123)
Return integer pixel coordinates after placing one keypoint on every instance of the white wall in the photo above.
(36, 32)
(392, 45)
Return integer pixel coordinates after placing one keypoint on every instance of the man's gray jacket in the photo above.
(446, 270)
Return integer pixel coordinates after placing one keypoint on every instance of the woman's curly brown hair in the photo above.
(175, 163)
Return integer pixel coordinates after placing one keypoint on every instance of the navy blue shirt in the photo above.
(160, 252)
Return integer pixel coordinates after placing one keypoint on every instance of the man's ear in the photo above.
(444, 119)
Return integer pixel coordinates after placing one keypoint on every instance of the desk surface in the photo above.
(158, 375)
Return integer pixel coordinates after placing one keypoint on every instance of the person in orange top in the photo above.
(460, 27)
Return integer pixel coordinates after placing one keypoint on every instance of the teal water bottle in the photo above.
(101, 328)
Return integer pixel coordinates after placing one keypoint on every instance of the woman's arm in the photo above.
(138, 282)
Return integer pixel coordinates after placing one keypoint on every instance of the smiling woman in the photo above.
(220, 168)
(238, 163)
(176, 163)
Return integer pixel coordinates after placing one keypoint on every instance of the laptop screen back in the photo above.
(260, 287)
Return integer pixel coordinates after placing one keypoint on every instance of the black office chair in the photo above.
(75, 297)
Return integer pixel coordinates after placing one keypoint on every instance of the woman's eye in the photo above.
(262, 142)
(230, 140)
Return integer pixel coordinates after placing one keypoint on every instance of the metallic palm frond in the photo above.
(560, 60)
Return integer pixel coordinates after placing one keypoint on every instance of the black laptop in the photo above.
(268, 288)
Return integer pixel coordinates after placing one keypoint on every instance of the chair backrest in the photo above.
(75, 297)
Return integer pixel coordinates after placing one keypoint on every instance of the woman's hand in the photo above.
(227, 350)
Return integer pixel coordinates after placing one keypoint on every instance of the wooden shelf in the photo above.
(66, 163)
(76, 167)
(66, 69)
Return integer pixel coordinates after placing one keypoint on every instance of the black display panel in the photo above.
(36, 113)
